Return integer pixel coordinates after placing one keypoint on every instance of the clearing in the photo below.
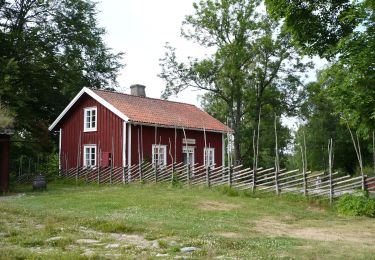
(158, 221)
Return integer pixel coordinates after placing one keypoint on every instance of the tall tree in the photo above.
(57, 49)
(344, 32)
(250, 56)
(316, 25)
(320, 124)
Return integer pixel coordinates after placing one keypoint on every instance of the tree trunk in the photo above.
(237, 136)
(257, 130)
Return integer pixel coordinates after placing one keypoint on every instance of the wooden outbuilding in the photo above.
(4, 159)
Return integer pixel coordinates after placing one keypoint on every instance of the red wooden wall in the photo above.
(214, 140)
(109, 124)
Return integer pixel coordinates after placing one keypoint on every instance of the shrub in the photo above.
(175, 182)
(367, 170)
(356, 205)
(52, 166)
(229, 191)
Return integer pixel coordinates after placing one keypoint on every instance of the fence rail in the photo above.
(239, 177)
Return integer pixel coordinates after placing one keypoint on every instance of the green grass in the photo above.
(221, 222)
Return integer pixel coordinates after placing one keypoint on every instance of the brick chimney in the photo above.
(138, 90)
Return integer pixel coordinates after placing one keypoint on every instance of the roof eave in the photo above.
(180, 127)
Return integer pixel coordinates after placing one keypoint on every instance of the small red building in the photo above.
(99, 126)
(4, 159)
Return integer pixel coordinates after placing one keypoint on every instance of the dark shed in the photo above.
(4, 159)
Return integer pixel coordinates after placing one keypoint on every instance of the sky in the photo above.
(140, 29)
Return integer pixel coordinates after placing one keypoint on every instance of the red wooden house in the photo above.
(102, 128)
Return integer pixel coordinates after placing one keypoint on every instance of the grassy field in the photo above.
(156, 221)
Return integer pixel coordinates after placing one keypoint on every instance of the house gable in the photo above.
(94, 96)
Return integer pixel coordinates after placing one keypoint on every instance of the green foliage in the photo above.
(367, 170)
(175, 181)
(229, 191)
(343, 31)
(321, 124)
(316, 26)
(254, 70)
(6, 118)
(49, 50)
(356, 205)
(52, 166)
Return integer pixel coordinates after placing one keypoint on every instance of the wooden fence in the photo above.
(241, 178)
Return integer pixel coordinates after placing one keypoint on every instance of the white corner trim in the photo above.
(129, 146)
(94, 96)
(60, 133)
(124, 144)
(223, 150)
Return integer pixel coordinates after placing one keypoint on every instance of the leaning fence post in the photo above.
(208, 169)
(277, 181)
(230, 176)
(124, 174)
(140, 171)
(304, 183)
(98, 175)
(77, 174)
(172, 175)
(365, 182)
(156, 172)
(188, 173)
(110, 174)
(331, 191)
(254, 179)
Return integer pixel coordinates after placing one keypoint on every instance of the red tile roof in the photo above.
(161, 112)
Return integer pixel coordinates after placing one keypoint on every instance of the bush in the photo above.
(367, 170)
(52, 166)
(356, 205)
(229, 191)
(175, 182)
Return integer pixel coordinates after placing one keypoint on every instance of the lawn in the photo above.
(156, 221)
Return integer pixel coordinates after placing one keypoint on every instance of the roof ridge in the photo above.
(158, 99)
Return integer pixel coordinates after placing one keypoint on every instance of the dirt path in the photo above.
(332, 231)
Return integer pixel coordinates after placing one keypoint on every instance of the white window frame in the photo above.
(211, 161)
(190, 149)
(90, 165)
(85, 111)
(160, 148)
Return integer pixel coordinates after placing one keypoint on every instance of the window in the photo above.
(209, 157)
(89, 119)
(159, 154)
(188, 155)
(89, 155)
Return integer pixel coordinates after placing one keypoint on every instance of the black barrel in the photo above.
(40, 182)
